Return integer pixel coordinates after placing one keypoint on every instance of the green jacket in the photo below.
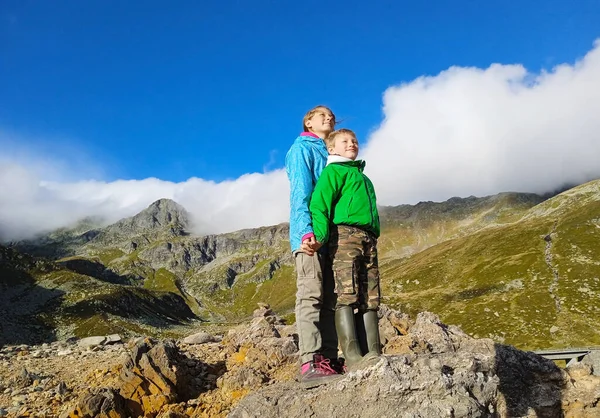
(343, 195)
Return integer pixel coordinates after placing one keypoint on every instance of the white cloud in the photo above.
(465, 131)
(471, 131)
(30, 205)
(38, 193)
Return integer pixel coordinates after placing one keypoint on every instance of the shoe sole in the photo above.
(367, 361)
(318, 381)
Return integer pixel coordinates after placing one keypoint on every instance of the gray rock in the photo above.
(103, 402)
(593, 359)
(287, 330)
(113, 339)
(91, 342)
(199, 338)
(23, 379)
(61, 388)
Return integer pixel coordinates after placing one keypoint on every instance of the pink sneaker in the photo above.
(317, 372)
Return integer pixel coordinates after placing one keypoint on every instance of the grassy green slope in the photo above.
(407, 230)
(241, 300)
(42, 300)
(533, 283)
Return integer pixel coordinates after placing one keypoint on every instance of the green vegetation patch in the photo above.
(108, 256)
(241, 300)
(162, 280)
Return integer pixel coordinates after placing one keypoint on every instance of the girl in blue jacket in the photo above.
(315, 298)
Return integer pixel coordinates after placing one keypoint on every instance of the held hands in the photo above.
(310, 245)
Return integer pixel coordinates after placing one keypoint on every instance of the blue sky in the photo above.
(217, 89)
(106, 106)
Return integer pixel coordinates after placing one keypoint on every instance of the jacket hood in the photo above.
(333, 159)
(308, 137)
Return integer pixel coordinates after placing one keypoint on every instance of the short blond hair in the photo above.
(330, 140)
(313, 112)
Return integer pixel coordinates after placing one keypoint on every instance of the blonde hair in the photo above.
(330, 140)
(313, 112)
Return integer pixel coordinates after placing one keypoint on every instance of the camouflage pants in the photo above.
(355, 267)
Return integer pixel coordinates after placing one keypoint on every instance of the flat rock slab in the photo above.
(199, 338)
(91, 341)
(113, 339)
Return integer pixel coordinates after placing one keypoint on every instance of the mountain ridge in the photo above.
(221, 277)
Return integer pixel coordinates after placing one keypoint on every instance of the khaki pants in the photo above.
(315, 307)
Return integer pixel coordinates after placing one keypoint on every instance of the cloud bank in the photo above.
(29, 205)
(471, 131)
(465, 131)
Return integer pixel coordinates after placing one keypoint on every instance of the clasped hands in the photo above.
(310, 245)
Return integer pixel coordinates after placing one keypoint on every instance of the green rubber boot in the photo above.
(346, 330)
(371, 321)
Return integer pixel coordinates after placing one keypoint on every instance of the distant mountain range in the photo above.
(519, 268)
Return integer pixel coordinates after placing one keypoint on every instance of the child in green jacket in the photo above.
(344, 215)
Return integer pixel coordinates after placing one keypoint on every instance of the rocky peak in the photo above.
(162, 215)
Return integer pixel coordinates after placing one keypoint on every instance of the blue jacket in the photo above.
(304, 163)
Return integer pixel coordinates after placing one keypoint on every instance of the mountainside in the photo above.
(42, 300)
(129, 268)
(479, 262)
(532, 283)
(408, 229)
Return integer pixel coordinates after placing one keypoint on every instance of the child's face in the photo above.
(345, 145)
(321, 122)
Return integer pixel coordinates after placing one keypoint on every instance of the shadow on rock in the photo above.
(529, 383)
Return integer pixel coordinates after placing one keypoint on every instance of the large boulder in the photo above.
(154, 375)
(444, 373)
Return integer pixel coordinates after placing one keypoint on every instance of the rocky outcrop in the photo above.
(153, 376)
(438, 371)
(443, 373)
(100, 403)
(427, 383)
(44, 380)
(194, 253)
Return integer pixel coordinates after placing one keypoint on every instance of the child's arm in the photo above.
(326, 194)
(298, 165)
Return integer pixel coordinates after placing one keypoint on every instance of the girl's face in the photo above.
(345, 145)
(321, 123)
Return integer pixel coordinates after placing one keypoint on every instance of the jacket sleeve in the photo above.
(298, 166)
(327, 192)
